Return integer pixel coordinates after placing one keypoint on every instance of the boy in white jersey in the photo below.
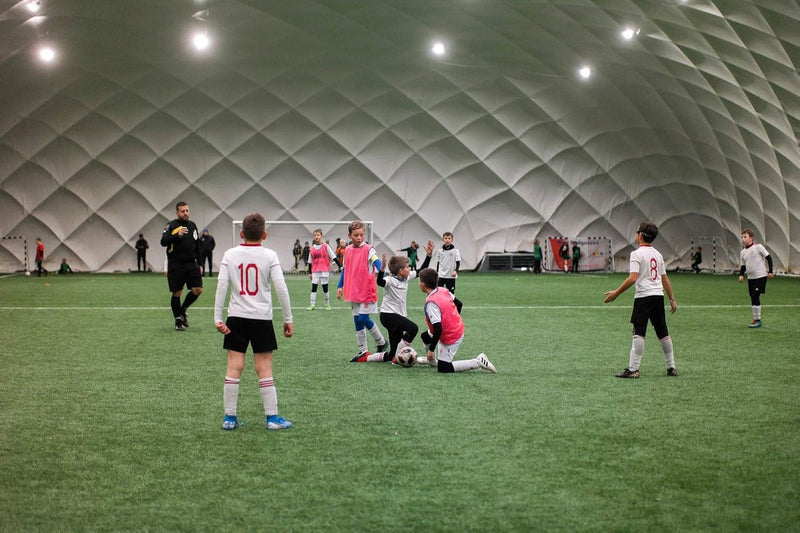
(393, 307)
(250, 269)
(757, 263)
(448, 262)
(445, 329)
(319, 269)
(647, 272)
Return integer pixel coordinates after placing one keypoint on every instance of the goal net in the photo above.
(713, 252)
(282, 234)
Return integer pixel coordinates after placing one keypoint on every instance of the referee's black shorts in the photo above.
(181, 274)
(260, 334)
(649, 308)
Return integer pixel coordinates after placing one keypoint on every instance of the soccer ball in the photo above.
(27, 272)
(406, 356)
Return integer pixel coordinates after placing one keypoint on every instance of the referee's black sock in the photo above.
(189, 300)
(175, 303)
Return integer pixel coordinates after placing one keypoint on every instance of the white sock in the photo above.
(377, 335)
(313, 299)
(327, 297)
(669, 356)
(756, 312)
(637, 351)
(269, 395)
(361, 340)
(466, 364)
(375, 357)
(230, 395)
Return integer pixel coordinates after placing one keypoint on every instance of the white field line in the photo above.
(468, 308)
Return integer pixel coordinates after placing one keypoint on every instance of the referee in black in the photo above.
(182, 241)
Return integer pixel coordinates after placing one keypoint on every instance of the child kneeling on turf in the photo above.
(251, 269)
(445, 328)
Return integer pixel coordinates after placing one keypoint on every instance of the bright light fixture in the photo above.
(34, 5)
(438, 49)
(585, 72)
(201, 41)
(628, 33)
(47, 54)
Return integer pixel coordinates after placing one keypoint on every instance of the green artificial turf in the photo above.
(111, 420)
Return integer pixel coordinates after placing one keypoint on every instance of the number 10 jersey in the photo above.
(251, 270)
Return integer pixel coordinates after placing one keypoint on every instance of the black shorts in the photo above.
(649, 308)
(248, 331)
(187, 274)
(757, 286)
(448, 283)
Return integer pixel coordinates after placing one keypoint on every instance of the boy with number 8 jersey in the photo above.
(647, 272)
(251, 270)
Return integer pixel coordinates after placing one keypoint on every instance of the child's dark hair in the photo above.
(447, 234)
(648, 231)
(428, 277)
(396, 262)
(253, 227)
(748, 232)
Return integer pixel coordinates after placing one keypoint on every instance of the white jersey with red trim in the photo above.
(648, 263)
(251, 271)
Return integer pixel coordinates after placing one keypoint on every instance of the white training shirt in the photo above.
(251, 270)
(649, 264)
(447, 261)
(754, 259)
(395, 294)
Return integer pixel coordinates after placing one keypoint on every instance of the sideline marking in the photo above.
(478, 308)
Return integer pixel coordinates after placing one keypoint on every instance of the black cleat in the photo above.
(628, 374)
(382, 347)
(672, 372)
(184, 320)
(179, 326)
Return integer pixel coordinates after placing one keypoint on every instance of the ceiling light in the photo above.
(438, 49)
(201, 41)
(47, 54)
(628, 33)
(34, 5)
(585, 72)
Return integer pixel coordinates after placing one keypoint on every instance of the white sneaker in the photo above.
(484, 363)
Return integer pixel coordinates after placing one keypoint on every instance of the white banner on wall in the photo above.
(595, 253)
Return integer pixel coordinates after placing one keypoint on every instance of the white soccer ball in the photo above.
(406, 356)
(27, 272)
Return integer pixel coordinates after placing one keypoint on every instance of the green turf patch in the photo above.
(111, 420)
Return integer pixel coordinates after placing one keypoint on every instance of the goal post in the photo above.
(708, 249)
(17, 247)
(281, 235)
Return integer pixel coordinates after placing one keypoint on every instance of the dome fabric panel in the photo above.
(330, 110)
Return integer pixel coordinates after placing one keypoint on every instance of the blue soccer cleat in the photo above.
(230, 422)
(277, 422)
